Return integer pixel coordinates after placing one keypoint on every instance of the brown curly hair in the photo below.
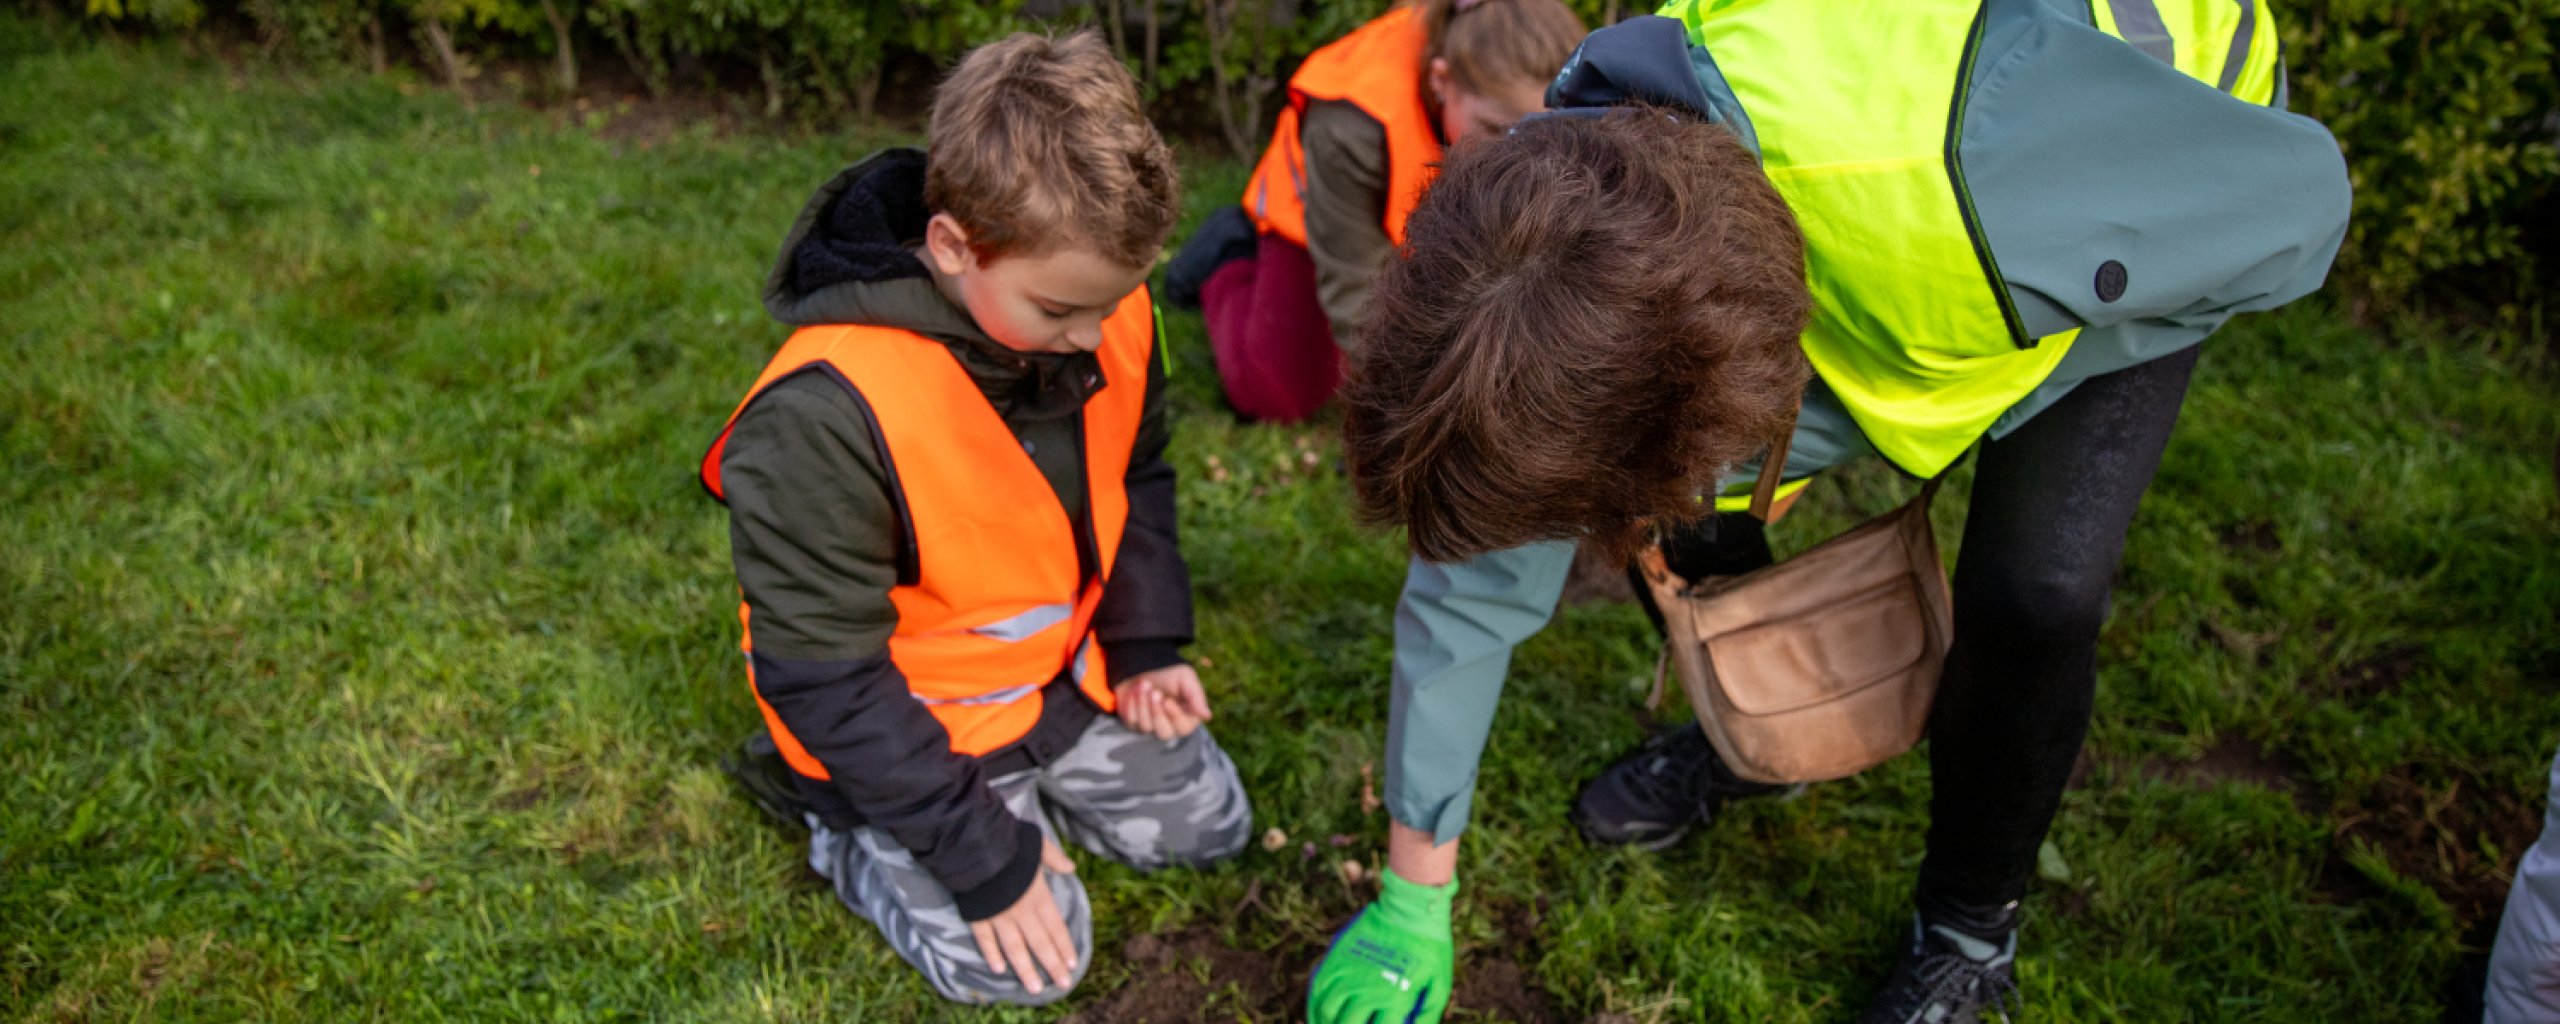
(1040, 141)
(1594, 320)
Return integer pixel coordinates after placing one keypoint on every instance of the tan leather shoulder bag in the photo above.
(1821, 666)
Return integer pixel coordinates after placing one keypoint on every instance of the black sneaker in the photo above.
(758, 769)
(1227, 235)
(1650, 798)
(1945, 976)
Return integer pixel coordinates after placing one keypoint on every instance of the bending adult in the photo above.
(1934, 226)
(1281, 277)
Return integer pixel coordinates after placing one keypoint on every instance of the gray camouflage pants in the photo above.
(1125, 795)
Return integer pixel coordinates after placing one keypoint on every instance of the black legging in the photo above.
(2051, 504)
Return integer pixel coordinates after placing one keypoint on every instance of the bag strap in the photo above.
(1773, 466)
(1657, 576)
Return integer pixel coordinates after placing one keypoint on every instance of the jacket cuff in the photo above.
(996, 895)
(1124, 658)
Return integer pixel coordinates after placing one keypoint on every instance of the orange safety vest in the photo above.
(1378, 68)
(993, 611)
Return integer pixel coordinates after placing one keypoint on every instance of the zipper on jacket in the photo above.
(1964, 196)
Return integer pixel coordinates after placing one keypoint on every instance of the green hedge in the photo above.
(2449, 115)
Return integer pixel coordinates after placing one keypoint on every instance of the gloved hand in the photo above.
(1393, 964)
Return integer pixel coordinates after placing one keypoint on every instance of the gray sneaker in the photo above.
(1945, 976)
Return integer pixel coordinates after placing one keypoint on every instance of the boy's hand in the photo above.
(1032, 931)
(1394, 962)
(1167, 703)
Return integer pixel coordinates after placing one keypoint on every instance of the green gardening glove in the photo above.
(1393, 963)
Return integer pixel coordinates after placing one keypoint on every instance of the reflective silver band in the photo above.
(1026, 625)
(2139, 23)
(2240, 39)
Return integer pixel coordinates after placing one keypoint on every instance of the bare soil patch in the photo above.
(2436, 830)
(2379, 673)
(2233, 758)
(1191, 976)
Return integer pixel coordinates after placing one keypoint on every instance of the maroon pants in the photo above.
(1275, 350)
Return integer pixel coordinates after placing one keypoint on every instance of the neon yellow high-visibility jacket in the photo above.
(2000, 199)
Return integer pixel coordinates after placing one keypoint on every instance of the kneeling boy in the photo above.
(953, 527)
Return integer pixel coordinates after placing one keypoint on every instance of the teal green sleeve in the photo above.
(1455, 628)
(2113, 189)
(2089, 159)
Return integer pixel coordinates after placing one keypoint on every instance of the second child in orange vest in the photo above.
(1282, 278)
(962, 601)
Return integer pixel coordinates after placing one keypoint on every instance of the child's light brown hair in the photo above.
(1038, 142)
(1494, 43)
(1595, 319)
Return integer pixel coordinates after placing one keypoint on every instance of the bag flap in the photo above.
(1823, 653)
(1846, 565)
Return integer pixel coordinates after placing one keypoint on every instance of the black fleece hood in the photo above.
(850, 258)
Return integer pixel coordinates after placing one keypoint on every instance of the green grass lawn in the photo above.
(366, 644)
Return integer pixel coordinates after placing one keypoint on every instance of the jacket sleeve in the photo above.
(1346, 210)
(1455, 627)
(2114, 188)
(814, 535)
(1145, 616)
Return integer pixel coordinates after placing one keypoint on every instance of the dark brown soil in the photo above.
(2236, 759)
(2436, 830)
(1495, 986)
(2252, 535)
(2380, 673)
(1193, 977)
(2233, 758)
(1498, 988)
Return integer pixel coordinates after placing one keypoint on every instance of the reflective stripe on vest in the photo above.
(1858, 110)
(2228, 44)
(995, 611)
(1378, 68)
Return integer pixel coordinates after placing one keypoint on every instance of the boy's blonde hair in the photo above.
(1040, 141)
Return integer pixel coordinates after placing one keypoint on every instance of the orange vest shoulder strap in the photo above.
(812, 350)
(1378, 68)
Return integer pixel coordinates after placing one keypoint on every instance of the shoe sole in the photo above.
(1656, 844)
